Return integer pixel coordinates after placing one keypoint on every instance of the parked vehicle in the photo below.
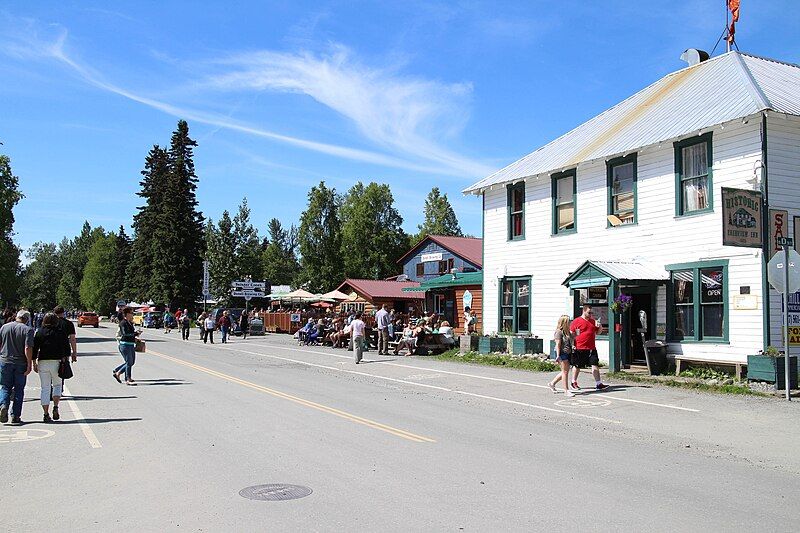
(235, 313)
(138, 318)
(153, 319)
(88, 319)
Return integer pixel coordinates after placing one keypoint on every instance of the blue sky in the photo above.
(280, 95)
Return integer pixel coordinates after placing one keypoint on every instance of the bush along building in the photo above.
(673, 197)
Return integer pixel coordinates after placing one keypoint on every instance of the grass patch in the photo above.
(532, 365)
(741, 390)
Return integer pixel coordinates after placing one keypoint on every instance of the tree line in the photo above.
(355, 234)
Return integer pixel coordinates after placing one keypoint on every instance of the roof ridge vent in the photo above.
(694, 56)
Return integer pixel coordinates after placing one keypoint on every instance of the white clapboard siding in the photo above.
(658, 237)
(783, 150)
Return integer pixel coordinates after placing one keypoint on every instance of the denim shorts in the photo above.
(563, 356)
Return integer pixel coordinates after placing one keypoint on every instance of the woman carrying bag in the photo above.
(563, 341)
(50, 348)
(127, 337)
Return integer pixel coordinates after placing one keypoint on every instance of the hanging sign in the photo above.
(741, 218)
(778, 229)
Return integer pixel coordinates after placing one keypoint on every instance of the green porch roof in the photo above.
(446, 281)
(602, 273)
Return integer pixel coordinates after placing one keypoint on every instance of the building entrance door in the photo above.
(641, 302)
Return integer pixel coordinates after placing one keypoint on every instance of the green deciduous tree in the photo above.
(99, 284)
(440, 219)
(279, 261)
(372, 237)
(38, 289)
(73, 255)
(220, 253)
(319, 241)
(9, 252)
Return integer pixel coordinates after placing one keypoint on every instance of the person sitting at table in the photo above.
(302, 333)
(342, 337)
(408, 340)
(317, 333)
(447, 333)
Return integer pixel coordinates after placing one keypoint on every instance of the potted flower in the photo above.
(621, 303)
(769, 366)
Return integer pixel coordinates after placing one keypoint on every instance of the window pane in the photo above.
(517, 199)
(564, 190)
(508, 293)
(420, 269)
(566, 217)
(713, 317)
(522, 319)
(711, 280)
(695, 194)
(684, 322)
(508, 324)
(622, 206)
(695, 160)
(523, 293)
(683, 282)
(516, 225)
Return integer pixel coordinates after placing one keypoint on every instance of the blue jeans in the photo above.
(12, 377)
(129, 355)
(224, 333)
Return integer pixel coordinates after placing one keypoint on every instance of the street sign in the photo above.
(206, 292)
(248, 284)
(776, 274)
(247, 294)
(784, 241)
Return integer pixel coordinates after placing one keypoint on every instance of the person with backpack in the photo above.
(50, 347)
(168, 319)
(186, 325)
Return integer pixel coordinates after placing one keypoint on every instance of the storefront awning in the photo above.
(602, 273)
(459, 279)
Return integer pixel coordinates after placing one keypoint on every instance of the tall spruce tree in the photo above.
(279, 261)
(320, 241)
(248, 248)
(73, 255)
(37, 289)
(122, 253)
(9, 252)
(220, 253)
(372, 236)
(138, 282)
(440, 218)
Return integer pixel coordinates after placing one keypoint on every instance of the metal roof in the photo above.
(459, 279)
(618, 270)
(469, 248)
(727, 87)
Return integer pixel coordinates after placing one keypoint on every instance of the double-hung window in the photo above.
(515, 308)
(622, 191)
(516, 211)
(699, 302)
(564, 202)
(420, 270)
(693, 178)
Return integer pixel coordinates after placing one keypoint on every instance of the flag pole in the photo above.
(727, 26)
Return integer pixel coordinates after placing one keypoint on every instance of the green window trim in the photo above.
(514, 306)
(610, 165)
(695, 268)
(680, 209)
(510, 213)
(554, 178)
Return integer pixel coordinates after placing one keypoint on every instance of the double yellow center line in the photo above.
(307, 403)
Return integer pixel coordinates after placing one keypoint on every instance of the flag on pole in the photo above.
(733, 7)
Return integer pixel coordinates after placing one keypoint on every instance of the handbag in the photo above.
(140, 346)
(64, 369)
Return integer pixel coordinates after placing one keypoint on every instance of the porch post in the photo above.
(613, 340)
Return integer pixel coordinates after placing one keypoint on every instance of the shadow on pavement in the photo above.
(364, 361)
(154, 382)
(86, 340)
(98, 354)
(87, 421)
(98, 397)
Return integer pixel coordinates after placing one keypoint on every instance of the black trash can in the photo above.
(656, 354)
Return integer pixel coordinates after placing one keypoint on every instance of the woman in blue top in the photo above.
(127, 346)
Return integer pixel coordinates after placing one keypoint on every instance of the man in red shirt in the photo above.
(585, 329)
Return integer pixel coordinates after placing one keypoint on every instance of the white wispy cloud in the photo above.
(404, 116)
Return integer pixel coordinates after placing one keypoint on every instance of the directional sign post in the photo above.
(206, 279)
(783, 272)
(248, 289)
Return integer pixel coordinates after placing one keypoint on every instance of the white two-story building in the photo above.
(631, 202)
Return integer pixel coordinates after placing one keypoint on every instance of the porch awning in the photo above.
(602, 273)
(459, 279)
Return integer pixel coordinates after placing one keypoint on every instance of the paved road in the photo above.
(396, 444)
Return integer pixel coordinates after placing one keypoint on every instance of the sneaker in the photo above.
(552, 388)
(569, 394)
(575, 385)
(56, 415)
(601, 386)
(46, 418)
(3, 414)
(16, 421)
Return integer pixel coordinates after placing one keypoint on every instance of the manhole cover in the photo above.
(275, 492)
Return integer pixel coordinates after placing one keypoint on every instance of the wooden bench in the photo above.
(680, 359)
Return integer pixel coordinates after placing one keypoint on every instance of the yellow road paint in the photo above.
(307, 403)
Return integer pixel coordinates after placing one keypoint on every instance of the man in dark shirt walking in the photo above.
(16, 361)
(69, 329)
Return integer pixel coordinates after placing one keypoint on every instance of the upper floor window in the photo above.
(564, 200)
(420, 270)
(693, 179)
(446, 265)
(516, 211)
(622, 191)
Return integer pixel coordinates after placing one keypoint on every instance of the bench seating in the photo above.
(680, 359)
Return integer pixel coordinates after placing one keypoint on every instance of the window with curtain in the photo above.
(699, 304)
(622, 191)
(694, 170)
(564, 203)
(516, 211)
(515, 305)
